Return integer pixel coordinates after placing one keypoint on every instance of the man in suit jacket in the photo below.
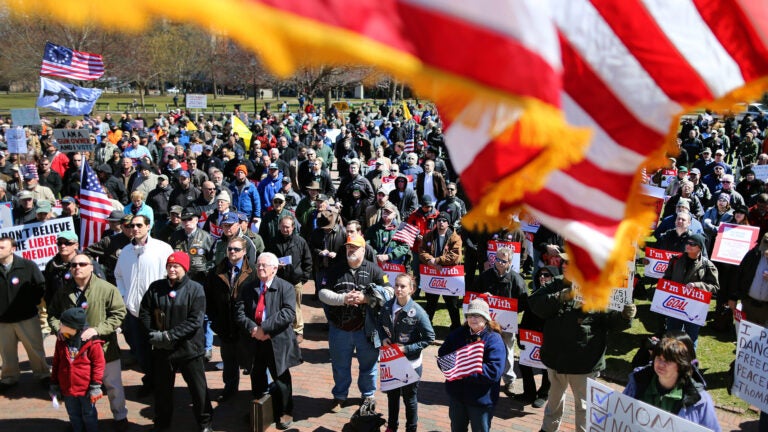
(266, 310)
(430, 182)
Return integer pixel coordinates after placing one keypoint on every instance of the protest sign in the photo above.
(530, 226)
(73, 140)
(503, 310)
(677, 301)
(619, 296)
(25, 117)
(395, 369)
(6, 215)
(392, 270)
(37, 241)
(659, 195)
(447, 281)
(656, 262)
(530, 353)
(666, 176)
(610, 410)
(761, 172)
(332, 134)
(17, 140)
(199, 101)
(750, 381)
(494, 245)
(733, 242)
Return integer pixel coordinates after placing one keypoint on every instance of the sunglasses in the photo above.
(135, 225)
(690, 243)
(66, 243)
(499, 260)
(545, 275)
(234, 249)
(79, 264)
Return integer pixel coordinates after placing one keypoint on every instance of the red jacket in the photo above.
(74, 377)
(425, 223)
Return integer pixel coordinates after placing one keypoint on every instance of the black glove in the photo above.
(54, 391)
(160, 340)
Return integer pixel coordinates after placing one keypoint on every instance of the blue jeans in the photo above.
(691, 329)
(461, 415)
(342, 346)
(138, 340)
(208, 333)
(410, 399)
(82, 413)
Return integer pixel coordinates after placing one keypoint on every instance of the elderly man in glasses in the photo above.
(104, 313)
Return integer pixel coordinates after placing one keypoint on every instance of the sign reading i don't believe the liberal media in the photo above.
(37, 241)
(447, 281)
(503, 310)
(678, 301)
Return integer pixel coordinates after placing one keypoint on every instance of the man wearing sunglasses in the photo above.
(104, 313)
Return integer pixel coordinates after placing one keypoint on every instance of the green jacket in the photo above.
(381, 241)
(104, 311)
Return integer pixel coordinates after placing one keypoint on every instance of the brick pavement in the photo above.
(26, 407)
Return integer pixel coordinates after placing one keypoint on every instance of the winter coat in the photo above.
(75, 377)
(411, 328)
(21, 290)
(221, 297)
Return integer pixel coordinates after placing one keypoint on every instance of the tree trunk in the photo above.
(327, 100)
(393, 89)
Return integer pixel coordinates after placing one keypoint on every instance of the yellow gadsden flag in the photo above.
(406, 111)
(242, 130)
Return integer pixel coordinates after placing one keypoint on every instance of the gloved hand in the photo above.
(54, 391)
(160, 340)
(629, 312)
(94, 391)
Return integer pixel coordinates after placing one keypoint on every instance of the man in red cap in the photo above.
(172, 313)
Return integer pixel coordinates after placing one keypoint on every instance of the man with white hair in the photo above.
(412, 167)
(727, 187)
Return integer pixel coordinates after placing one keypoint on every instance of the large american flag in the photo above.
(67, 63)
(410, 137)
(463, 362)
(406, 233)
(95, 208)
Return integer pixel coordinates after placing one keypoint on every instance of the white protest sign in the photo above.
(666, 176)
(448, 281)
(657, 261)
(619, 296)
(37, 241)
(332, 134)
(392, 270)
(494, 245)
(733, 242)
(17, 140)
(610, 410)
(25, 117)
(750, 380)
(395, 369)
(197, 101)
(6, 215)
(761, 172)
(503, 310)
(530, 353)
(73, 140)
(677, 301)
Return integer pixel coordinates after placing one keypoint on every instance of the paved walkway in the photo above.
(26, 407)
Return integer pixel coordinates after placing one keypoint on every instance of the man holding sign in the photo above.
(694, 271)
(440, 248)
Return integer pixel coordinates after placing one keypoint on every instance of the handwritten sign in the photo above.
(761, 172)
(37, 241)
(448, 281)
(750, 381)
(733, 242)
(17, 140)
(610, 410)
(25, 117)
(677, 301)
(619, 296)
(503, 310)
(73, 140)
(197, 101)
(395, 369)
(392, 270)
(495, 245)
(530, 353)
(656, 262)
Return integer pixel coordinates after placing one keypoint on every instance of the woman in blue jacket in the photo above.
(474, 397)
(669, 384)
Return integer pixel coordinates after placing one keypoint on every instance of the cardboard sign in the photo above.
(395, 369)
(494, 245)
(675, 300)
(37, 241)
(530, 353)
(197, 101)
(392, 270)
(73, 140)
(750, 379)
(610, 410)
(503, 310)
(25, 117)
(657, 261)
(733, 242)
(17, 140)
(447, 281)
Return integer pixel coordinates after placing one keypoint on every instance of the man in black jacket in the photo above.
(295, 264)
(172, 313)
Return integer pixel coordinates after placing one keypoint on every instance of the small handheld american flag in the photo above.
(406, 233)
(463, 362)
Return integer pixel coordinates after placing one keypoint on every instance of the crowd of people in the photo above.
(213, 233)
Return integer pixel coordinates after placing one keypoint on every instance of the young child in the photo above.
(78, 368)
(405, 323)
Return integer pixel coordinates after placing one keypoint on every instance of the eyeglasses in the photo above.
(499, 260)
(79, 264)
(135, 225)
(262, 265)
(234, 249)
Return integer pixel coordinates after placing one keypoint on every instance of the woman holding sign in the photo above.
(670, 384)
(404, 323)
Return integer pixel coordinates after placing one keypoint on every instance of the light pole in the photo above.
(255, 99)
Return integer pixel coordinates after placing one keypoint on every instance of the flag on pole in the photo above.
(410, 138)
(66, 98)
(406, 112)
(463, 362)
(63, 62)
(406, 233)
(242, 130)
(95, 208)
